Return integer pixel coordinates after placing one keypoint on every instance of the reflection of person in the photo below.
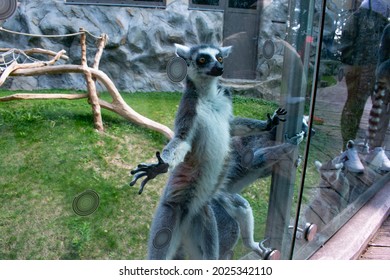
(380, 111)
(360, 43)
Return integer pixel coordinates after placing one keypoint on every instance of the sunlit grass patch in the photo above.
(50, 153)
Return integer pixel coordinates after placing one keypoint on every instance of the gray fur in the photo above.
(331, 196)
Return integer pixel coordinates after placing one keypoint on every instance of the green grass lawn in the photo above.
(50, 153)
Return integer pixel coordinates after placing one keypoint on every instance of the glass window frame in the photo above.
(220, 7)
(128, 3)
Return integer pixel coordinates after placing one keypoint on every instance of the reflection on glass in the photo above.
(348, 157)
(248, 4)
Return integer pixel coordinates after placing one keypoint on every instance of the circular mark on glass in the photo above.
(7, 8)
(268, 49)
(340, 74)
(86, 203)
(177, 69)
(162, 239)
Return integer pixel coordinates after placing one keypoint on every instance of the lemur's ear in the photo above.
(182, 51)
(226, 51)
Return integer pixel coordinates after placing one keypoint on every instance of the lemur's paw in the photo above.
(275, 119)
(296, 139)
(149, 170)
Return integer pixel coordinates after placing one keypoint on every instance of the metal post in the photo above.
(293, 94)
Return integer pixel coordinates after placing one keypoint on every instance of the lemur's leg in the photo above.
(228, 230)
(203, 236)
(244, 216)
(240, 210)
(165, 238)
(255, 159)
(245, 126)
(268, 156)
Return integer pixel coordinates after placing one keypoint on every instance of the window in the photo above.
(207, 4)
(143, 3)
(248, 4)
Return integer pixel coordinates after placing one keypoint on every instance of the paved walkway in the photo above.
(329, 105)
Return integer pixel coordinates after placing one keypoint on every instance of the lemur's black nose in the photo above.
(216, 71)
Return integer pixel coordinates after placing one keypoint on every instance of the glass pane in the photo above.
(72, 127)
(347, 157)
(69, 137)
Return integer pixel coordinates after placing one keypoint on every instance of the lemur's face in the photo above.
(203, 61)
(209, 61)
(330, 172)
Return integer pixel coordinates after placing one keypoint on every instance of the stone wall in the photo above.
(141, 42)
(139, 47)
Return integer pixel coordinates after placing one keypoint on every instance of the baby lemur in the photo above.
(197, 157)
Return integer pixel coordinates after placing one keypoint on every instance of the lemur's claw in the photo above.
(296, 139)
(281, 111)
(136, 177)
(160, 160)
(141, 188)
(148, 170)
(275, 119)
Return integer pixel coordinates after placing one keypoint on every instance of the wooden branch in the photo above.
(93, 98)
(91, 74)
(14, 66)
(46, 52)
(129, 114)
(36, 51)
(7, 72)
(56, 58)
(55, 69)
(83, 48)
(118, 106)
(101, 44)
(28, 96)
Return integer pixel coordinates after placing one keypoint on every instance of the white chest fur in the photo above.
(213, 134)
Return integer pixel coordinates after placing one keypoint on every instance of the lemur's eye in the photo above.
(220, 59)
(202, 60)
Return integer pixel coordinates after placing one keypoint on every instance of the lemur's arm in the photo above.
(148, 170)
(173, 153)
(245, 126)
(177, 148)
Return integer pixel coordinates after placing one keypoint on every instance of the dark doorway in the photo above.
(240, 30)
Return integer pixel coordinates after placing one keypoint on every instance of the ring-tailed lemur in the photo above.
(263, 152)
(332, 194)
(381, 98)
(251, 158)
(196, 156)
